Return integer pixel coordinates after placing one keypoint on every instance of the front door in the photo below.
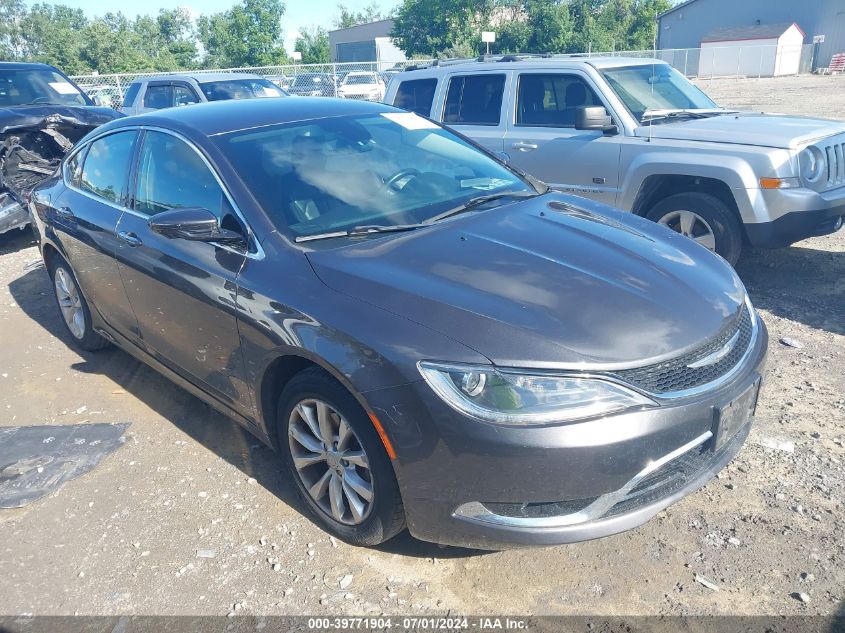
(542, 139)
(183, 292)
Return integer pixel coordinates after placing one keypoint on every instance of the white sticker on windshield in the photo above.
(409, 120)
(63, 88)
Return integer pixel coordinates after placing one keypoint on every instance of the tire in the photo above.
(384, 517)
(718, 217)
(79, 326)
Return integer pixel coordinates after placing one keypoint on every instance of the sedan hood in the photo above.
(747, 128)
(15, 117)
(554, 281)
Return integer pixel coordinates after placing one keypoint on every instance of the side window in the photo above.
(474, 99)
(73, 166)
(552, 100)
(171, 174)
(182, 96)
(416, 95)
(129, 99)
(107, 165)
(158, 96)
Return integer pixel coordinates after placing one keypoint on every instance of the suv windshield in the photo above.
(655, 87)
(240, 89)
(38, 86)
(386, 169)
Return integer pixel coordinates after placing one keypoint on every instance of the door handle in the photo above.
(524, 146)
(64, 212)
(130, 238)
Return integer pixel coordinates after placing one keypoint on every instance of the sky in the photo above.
(298, 13)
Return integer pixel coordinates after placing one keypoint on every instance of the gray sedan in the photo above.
(429, 338)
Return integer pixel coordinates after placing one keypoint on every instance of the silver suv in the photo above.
(636, 134)
(173, 90)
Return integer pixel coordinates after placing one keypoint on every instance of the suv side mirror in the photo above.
(192, 223)
(594, 118)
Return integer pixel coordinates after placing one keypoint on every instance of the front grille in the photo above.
(676, 474)
(676, 375)
(835, 155)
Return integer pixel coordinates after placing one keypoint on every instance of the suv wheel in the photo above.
(703, 218)
(336, 458)
(74, 309)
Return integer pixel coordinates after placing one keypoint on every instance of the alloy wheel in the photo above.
(691, 225)
(330, 461)
(70, 303)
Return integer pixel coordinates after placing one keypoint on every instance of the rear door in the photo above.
(542, 140)
(475, 106)
(85, 219)
(184, 292)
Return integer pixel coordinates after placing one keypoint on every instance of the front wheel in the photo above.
(704, 219)
(74, 309)
(336, 458)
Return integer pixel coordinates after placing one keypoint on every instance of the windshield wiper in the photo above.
(472, 203)
(365, 229)
(651, 115)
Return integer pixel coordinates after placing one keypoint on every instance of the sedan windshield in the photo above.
(655, 88)
(241, 89)
(37, 86)
(359, 79)
(381, 170)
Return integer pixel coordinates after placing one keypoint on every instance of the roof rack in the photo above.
(504, 58)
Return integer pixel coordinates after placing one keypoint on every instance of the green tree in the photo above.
(12, 13)
(347, 18)
(429, 27)
(248, 34)
(314, 46)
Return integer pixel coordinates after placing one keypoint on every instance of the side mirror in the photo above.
(192, 223)
(594, 118)
(98, 100)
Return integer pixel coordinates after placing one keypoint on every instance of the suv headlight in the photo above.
(812, 163)
(513, 397)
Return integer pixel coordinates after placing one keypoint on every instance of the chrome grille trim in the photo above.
(638, 377)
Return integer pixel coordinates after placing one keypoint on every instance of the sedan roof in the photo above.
(221, 117)
(201, 78)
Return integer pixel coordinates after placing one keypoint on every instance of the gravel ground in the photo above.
(191, 516)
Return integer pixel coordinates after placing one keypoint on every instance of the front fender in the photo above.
(734, 171)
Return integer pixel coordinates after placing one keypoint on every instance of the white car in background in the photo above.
(362, 85)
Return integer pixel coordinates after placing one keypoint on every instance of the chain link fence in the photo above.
(357, 80)
(369, 80)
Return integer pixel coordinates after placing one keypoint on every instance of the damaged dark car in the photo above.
(42, 115)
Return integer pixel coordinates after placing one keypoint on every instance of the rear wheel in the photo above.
(74, 309)
(704, 219)
(336, 458)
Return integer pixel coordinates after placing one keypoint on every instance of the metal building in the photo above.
(365, 43)
(689, 23)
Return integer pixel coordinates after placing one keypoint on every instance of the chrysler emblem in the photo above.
(715, 357)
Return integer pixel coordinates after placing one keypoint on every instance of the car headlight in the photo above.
(812, 163)
(518, 398)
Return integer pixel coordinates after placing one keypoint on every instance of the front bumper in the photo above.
(472, 484)
(12, 214)
(792, 215)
